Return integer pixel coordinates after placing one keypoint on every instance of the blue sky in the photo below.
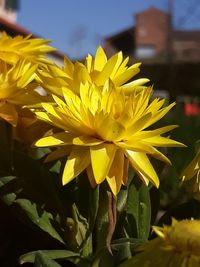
(77, 27)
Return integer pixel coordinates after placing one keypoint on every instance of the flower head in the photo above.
(32, 49)
(97, 70)
(16, 89)
(191, 175)
(176, 245)
(102, 130)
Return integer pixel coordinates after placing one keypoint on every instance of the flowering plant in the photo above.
(78, 144)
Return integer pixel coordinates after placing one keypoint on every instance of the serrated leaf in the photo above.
(39, 217)
(81, 225)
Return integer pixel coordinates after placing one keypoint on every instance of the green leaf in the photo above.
(103, 259)
(39, 184)
(81, 225)
(42, 260)
(102, 219)
(122, 249)
(138, 211)
(51, 254)
(39, 152)
(7, 192)
(122, 200)
(40, 217)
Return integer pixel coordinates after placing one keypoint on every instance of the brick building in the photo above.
(171, 58)
(153, 39)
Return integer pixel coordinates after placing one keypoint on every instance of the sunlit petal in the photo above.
(115, 174)
(101, 159)
(140, 162)
(78, 160)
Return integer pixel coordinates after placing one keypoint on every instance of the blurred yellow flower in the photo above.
(190, 176)
(177, 245)
(32, 49)
(96, 70)
(16, 89)
(102, 130)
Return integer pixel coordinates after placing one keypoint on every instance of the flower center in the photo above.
(185, 237)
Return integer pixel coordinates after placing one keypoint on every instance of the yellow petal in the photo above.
(141, 163)
(81, 75)
(69, 66)
(143, 178)
(127, 75)
(51, 120)
(110, 68)
(88, 63)
(101, 159)
(78, 160)
(27, 77)
(100, 59)
(86, 140)
(138, 125)
(128, 86)
(159, 114)
(163, 142)
(58, 153)
(152, 133)
(57, 139)
(160, 156)
(125, 171)
(115, 174)
(136, 145)
(192, 168)
(91, 176)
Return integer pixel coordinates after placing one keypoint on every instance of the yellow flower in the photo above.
(102, 130)
(96, 70)
(177, 245)
(191, 175)
(16, 89)
(32, 49)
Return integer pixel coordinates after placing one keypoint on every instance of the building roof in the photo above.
(14, 29)
(123, 40)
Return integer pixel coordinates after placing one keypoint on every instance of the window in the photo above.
(145, 52)
(12, 4)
